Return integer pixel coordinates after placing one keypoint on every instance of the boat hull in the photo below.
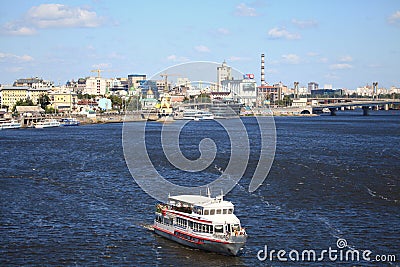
(10, 126)
(222, 247)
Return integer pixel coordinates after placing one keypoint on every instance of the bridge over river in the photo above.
(366, 105)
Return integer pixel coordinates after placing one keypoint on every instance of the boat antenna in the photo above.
(222, 194)
(208, 192)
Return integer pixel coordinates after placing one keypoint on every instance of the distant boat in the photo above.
(197, 114)
(12, 124)
(203, 115)
(47, 123)
(69, 122)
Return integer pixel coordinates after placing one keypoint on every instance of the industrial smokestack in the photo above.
(262, 70)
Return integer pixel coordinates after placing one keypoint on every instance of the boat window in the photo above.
(235, 227)
(205, 212)
(212, 212)
(224, 211)
(219, 229)
(218, 211)
(230, 211)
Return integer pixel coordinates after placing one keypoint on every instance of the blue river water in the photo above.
(68, 198)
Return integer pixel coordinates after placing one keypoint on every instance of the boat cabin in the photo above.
(205, 214)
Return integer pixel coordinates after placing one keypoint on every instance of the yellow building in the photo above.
(63, 101)
(11, 94)
(35, 93)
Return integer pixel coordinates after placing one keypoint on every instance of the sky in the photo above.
(345, 43)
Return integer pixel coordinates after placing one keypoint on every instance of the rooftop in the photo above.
(198, 200)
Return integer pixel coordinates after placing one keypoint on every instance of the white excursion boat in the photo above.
(70, 122)
(201, 222)
(197, 114)
(12, 124)
(203, 115)
(47, 123)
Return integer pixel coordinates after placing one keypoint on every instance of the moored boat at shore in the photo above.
(11, 124)
(69, 122)
(47, 123)
(197, 114)
(201, 222)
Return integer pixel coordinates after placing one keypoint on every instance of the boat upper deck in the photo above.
(199, 201)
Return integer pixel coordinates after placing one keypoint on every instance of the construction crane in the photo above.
(98, 72)
(166, 79)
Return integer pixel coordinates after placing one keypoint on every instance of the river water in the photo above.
(68, 198)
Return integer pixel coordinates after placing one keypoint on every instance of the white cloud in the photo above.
(346, 59)
(340, 66)
(14, 28)
(13, 69)
(394, 18)
(282, 33)
(7, 57)
(223, 31)
(115, 55)
(52, 16)
(236, 58)
(176, 58)
(272, 71)
(312, 54)
(202, 49)
(243, 10)
(323, 60)
(59, 15)
(374, 65)
(291, 58)
(304, 23)
(101, 66)
(331, 76)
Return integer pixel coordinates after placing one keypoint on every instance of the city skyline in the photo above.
(344, 43)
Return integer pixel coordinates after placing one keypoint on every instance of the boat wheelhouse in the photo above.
(201, 222)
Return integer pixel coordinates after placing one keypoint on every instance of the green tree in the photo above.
(116, 101)
(24, 102)
(286, 101)
(44, 100)
(50, 110)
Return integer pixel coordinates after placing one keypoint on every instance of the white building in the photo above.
(95, 86)
(183, 82)
(224, 72)
(364, 91)
(300, 102)
(244, 90)
(394, 90)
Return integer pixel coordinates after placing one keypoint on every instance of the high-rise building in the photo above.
(136, 80)
(224, 72)
(312, 86)
(243, 91)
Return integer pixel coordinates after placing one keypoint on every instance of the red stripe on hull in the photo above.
(200, 238)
